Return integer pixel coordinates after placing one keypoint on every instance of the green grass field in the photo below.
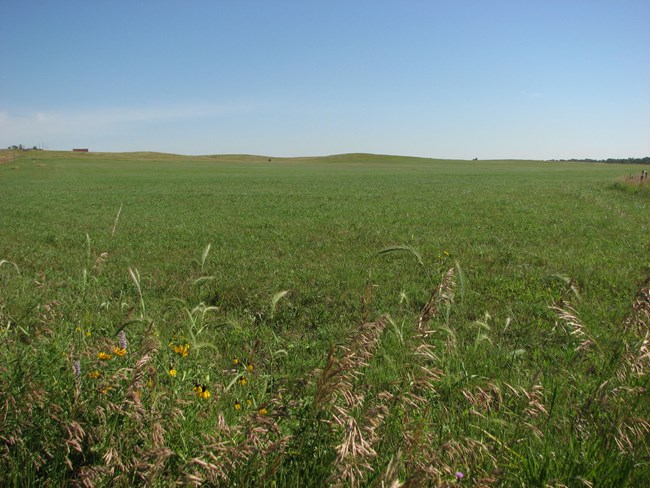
(403, 320)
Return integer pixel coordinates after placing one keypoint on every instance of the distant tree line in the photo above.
(645, 160)
(20, 147)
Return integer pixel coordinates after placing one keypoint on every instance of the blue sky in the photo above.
(450, 79)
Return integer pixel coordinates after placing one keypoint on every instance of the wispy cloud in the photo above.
(62, 126)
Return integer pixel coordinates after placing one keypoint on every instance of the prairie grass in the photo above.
(634, 184)
(346, 321)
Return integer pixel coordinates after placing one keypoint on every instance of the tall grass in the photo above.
(434, 401)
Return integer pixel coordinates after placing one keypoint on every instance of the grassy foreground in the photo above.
(351, 320)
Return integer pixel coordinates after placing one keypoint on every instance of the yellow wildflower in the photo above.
(182, 349)
(237, 406)
(93, 375)
(104, 356)
(88, 333)
(250, 367)
(262, 411)
(202, 391)
(172, 372)
(119, 351)
(105, 390)
(243, 381)
(235, 361)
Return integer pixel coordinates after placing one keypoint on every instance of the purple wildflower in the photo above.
(459, 475)
(122, 336)
(76, 367)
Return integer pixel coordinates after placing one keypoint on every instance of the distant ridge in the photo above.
(358, 157)
(253, 158)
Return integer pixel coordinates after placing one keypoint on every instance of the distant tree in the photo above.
(645, 160)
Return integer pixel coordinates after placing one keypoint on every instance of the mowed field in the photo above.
(358, 320)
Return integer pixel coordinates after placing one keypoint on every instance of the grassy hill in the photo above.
(402, 319)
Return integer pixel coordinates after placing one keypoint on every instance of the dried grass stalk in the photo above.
(444, 293)
(568, 318)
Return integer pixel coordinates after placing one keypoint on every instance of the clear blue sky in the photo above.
(452, 79)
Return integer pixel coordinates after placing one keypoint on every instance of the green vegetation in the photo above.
(645, 160)
(351, 320)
